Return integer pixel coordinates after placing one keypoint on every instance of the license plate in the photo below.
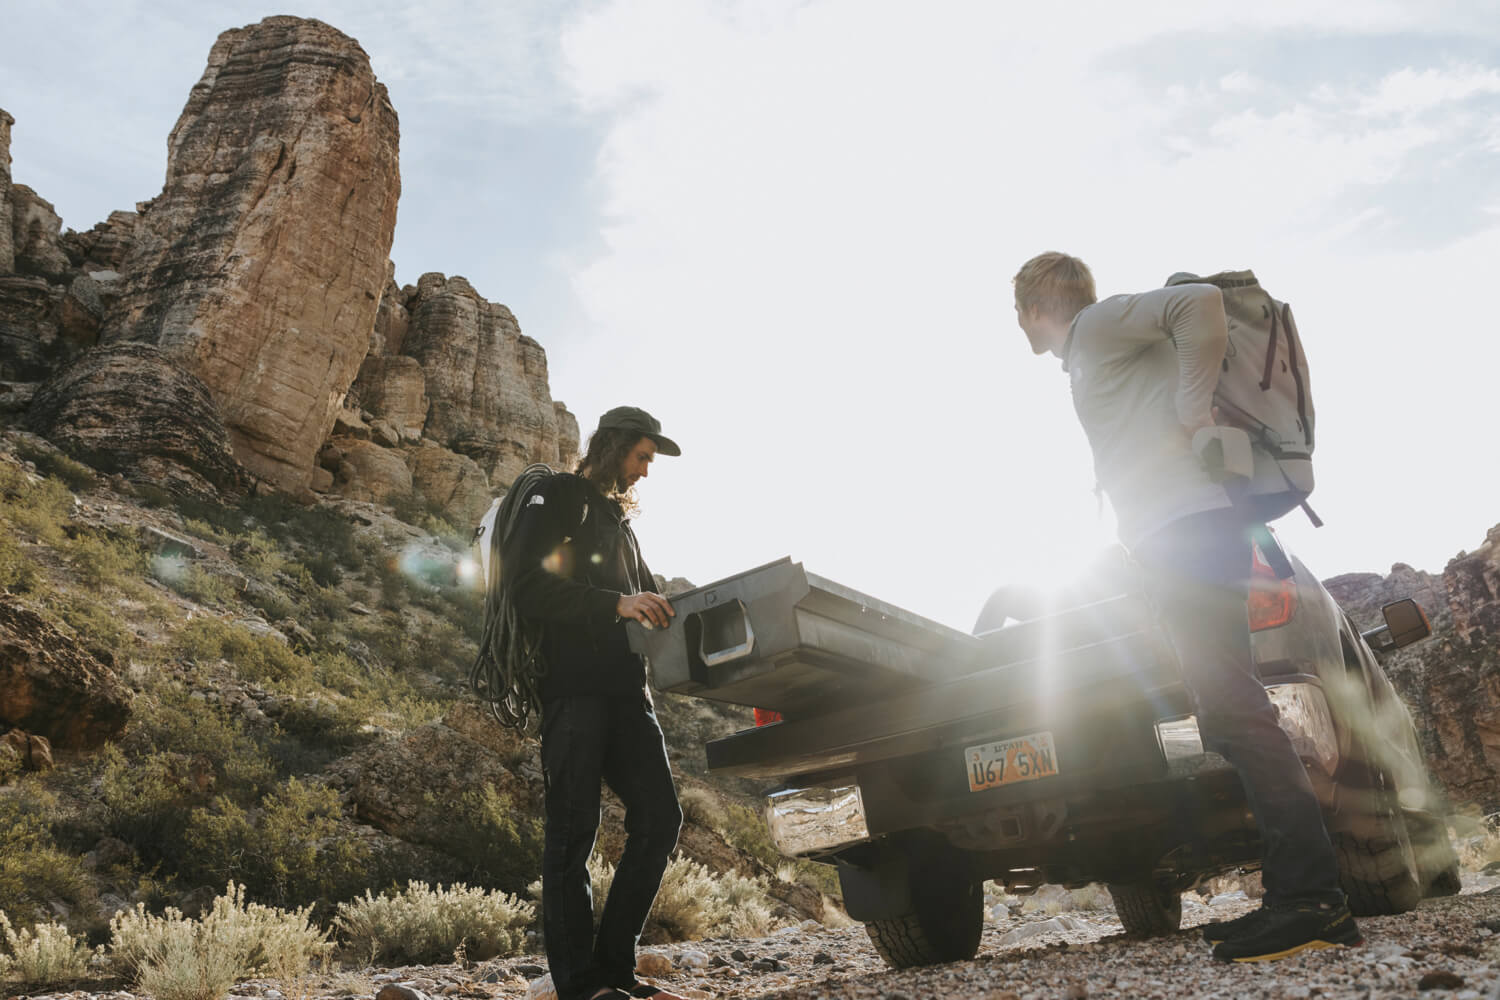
(1025, 758)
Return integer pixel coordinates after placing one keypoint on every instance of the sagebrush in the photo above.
(173, 957)
(423, 924)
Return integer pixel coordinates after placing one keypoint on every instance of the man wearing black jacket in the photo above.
(578, 572)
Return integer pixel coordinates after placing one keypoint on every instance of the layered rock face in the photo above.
(259, 266)
(7, 241)
(486, 381)
(1452, 680)
(127, 407)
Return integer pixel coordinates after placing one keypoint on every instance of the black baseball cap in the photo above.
(633, 418)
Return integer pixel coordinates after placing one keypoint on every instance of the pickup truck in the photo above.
(1056, 744)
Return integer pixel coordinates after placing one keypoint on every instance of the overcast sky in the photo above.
(788, 229)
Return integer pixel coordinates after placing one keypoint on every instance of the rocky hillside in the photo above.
(239, 464)
(1451, 681)
(256, 291)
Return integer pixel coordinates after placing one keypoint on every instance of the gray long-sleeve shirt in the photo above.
(1143, 369)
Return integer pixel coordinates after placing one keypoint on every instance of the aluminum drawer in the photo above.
(779, 637)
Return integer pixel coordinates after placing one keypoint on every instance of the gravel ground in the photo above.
(1446, 948)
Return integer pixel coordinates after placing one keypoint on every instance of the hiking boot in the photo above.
(1222, 930)
(1288, 930)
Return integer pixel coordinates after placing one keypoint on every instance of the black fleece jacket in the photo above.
(569, 558)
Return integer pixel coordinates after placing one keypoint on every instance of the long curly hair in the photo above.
(602, 462)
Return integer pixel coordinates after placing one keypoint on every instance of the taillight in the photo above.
(1272, 599)
(764, 716)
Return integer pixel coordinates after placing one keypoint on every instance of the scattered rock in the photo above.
(542, 989)
(395, 991)
(1440, 979)
(693, 959)
(653, 964)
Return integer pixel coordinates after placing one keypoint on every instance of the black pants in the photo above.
(586, 741)
(1200, 569)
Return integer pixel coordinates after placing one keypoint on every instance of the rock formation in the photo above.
(7, 240)
(128, 408)
(259, 266)
(455, 483)
(486, 381)
(1452, 680)
(50, 686)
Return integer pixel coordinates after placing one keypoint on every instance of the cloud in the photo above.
(813, 210)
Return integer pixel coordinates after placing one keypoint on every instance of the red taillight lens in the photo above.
(764, 716)
(1272, 600)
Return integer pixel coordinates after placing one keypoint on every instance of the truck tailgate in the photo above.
(779, 637)
(1041, 675)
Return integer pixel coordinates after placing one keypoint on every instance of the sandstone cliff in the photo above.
(1451, 681)
(259, 266)
(7, 245)
(485, 383)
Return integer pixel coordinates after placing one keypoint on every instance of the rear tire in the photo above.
(943, 925)
(1379, 872)
(1146, 908)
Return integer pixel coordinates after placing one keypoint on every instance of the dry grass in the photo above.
(423, 924)
(693, 902)
(173, 958)
(43, 954)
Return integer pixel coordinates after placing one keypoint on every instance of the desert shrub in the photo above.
(173, 958)
(192, 581)
(702, 806)
(177, 754)
(254, 657)
(745, 829)
(33, 870)
(39, 507)
(146, 800)
(500, 846)
(104, 561)
(43, 954)
(96, 625)
(423, 924)
(19, 573)
(288, 852)
(315, 528)
(51, 462)
(692, 901)
(325, 724)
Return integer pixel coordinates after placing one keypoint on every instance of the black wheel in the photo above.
(1378, 868)
(1147, 909)
(1437, 861)
(943, 924)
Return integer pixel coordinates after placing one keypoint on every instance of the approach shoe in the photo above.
(1222, 930)
(1290, 930)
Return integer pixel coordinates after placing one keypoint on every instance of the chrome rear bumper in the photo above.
(807, 821)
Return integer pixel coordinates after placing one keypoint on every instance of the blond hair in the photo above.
(1055, 285)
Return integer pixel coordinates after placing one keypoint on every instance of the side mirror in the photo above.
(1405, 623)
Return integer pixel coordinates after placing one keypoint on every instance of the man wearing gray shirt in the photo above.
(1143, 370)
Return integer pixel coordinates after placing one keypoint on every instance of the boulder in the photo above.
(103, 249)
(453, 481)
(260, 266)
(127, 408)
(371, 473)
(33, 752)
(7, 238)
(395, 390)
(36, 231)
(487, 389)
(50, 686)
